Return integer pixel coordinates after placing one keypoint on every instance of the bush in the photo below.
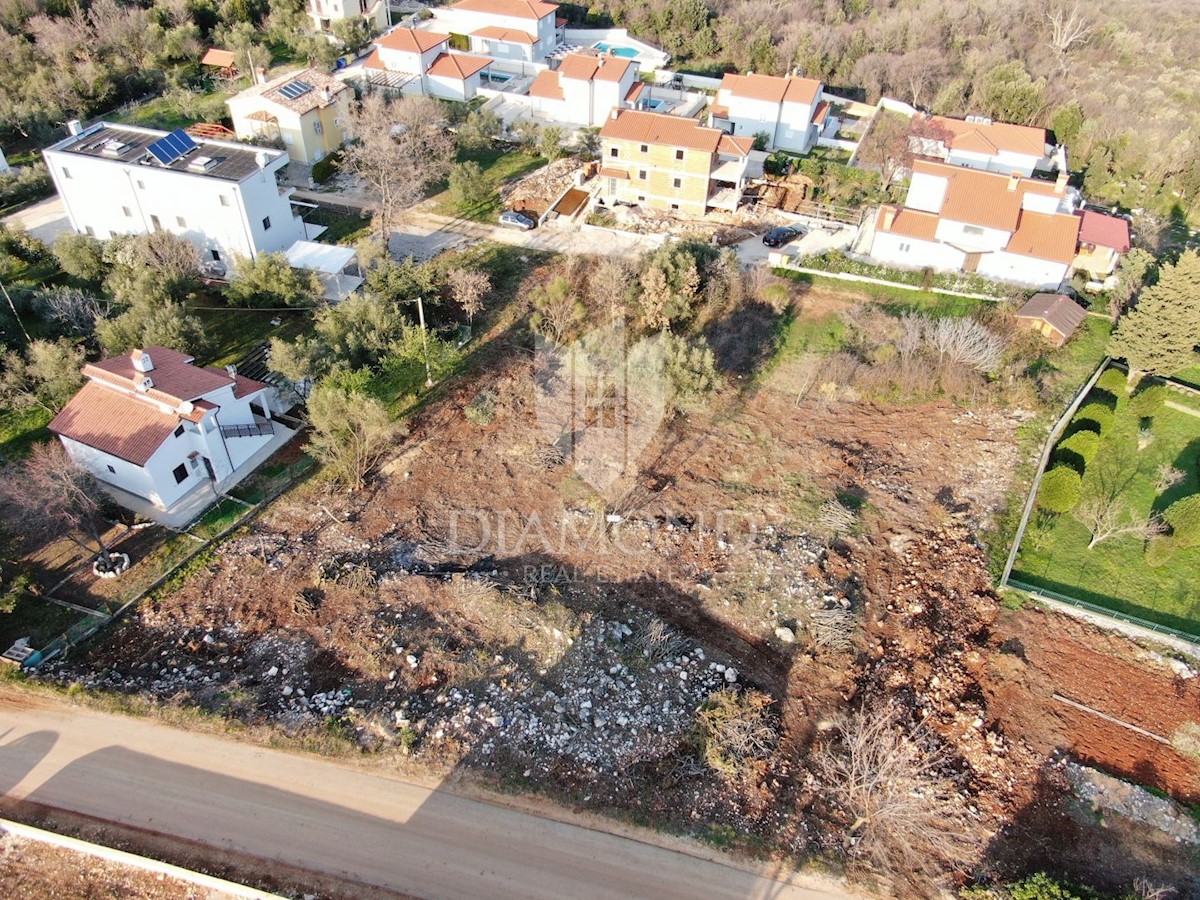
(482, 409)
(1042, 887)
(24, 184)
(1160, 550)
(468, 187)
(1060, 490)
(1098, 413)
(834, 261)
(1082, 445)
(1113, 381)
(1148, 400)
(325, 168)
(1184, 518)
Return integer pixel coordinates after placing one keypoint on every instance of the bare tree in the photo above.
(399, 148)
(893, 141)
(71, 308)
(609, 286)
(912, 334)
(468, 287)
(1068, 25)
(906, 815)
(55, 497)
(966, 341)
(1166, 477)
(1106, 517)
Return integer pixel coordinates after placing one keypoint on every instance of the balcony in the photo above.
(258, 429)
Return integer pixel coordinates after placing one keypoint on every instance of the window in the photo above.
(972, 229)
(128, 212)
(180, 472)
(318, 127)
(66, 172)
(266, 223)
(904, 248)
(179, 430)
(678, 182)
(216, 255)
(641, 199)
(224, 200)
(641, 175)
(155, 225)
(679, 154)
(614, 152)
(180, 222)
(111, 469)
(141, 185)
(644, 148)
(675, 207)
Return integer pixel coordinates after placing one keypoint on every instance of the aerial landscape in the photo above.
(654, 448)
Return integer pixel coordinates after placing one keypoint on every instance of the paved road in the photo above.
(45, 220)
(334, 820)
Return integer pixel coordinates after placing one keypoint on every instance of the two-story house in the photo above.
(1102, 241)
(672, 163)
(325, 13)
(307, 110)
(585, 89)
(1005, 227)
(222, 196)
(979, 143)
(788, 110)
(156, 426)
(413, 61)
(517, 31)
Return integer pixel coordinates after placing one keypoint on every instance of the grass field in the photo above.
(892, 297)
(1114, 574)
(233, 332)
(498, 166)
(168, 114)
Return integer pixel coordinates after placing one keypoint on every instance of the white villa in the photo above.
(585, 89)
(153, 425)
(1005, 227)
(517, 31)
(324, 13)
(420, 62)
(789, 110)
(220, 195)
(979, 143)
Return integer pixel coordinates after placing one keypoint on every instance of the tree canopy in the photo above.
(1161, 333)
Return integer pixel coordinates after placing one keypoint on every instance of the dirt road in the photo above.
(326, 818)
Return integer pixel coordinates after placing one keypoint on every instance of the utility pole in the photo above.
(17, 318)
(424, 343)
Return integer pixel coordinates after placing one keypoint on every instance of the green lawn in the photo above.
(1190, 376)
(233, 332)
(498, 165)
(20, 429)
(1114, 574)
(166, 113)
(340, 227)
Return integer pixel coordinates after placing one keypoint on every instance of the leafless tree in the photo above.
(1166, 477)
(912, 334)
(1068, 25)
(1106, 517)
(966, 341)
(55, 497)
(893, 141)
(399, 148)
(906, 815)
(468, 287)
(71, 308)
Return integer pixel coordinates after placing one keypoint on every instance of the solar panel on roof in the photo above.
(294, 89)
(176, 144)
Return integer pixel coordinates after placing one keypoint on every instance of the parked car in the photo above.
(516, 220)
(784, 234)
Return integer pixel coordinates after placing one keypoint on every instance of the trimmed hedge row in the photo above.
(922, 278)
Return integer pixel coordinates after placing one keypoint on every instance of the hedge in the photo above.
(1149, 400)
(326, 167)
(1098, 413)
(1113, 381)
(1060, 490)
(1082, 444)
(1184, 518)
(921, 278)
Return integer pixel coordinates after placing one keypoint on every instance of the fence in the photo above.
(781, 261)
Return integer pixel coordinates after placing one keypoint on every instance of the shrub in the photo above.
(1160, 550)
(1081, 446)
(482, 409)
(1113, 381)
(1041, 887)
(1148, 400)
(1060, 490)
(325, 168)
(1184, 518)
(1098, 413)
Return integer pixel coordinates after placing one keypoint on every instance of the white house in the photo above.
(789, 110)
(420, 62)
(307, 110)
(325, 13)
(521, 31)
(220, 195)
(979, 143)
(1005, 227)
(156, 426)
(584, 89)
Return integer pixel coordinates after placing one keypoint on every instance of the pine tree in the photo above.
(1161, 333)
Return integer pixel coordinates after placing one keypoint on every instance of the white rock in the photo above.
(731, 675)
(287, 690)
(412, 660)
(785, 634)
(273, 671)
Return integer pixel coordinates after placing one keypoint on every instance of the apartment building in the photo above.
(521, 31)
(788, 110)
(222, 196)
(585, 88)
(673, 164)
(326, 13)
(307, 110)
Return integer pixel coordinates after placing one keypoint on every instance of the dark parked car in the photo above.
(777, 237)
(516, 220)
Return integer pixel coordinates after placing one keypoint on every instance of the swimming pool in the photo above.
(652, 103)
(498, 76)
(627, 52)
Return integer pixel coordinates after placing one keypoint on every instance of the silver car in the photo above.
(516, 220)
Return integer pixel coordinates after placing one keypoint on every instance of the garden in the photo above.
(1118, 512)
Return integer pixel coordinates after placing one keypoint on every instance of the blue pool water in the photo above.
(654, 104)
(627, 52)
(498, 76)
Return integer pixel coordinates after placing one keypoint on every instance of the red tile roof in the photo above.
(772, 88)
(508, 35)
(609, 172)
(821, 113)
(546, 86)
(115, 423)
(977, 137)
(1044, 236)
(411, 40)
(1103, 231)
(737, 146)
(635, 92)
(175, 378)
(978, 197)
(459, 66)
(658, 128)
(516, 9)
(909, 223)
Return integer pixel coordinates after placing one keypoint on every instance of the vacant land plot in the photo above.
(1116, 574)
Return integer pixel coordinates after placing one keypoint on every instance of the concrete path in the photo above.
(45, 220)
(366, 828)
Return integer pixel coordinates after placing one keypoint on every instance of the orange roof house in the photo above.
(785, 108)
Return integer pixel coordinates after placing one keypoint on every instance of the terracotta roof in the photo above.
(1063, 313)
(738, 146)
(585, 67)
(175, 378)
(1103, 231)
(243, 386)
(306, 102)
(977, 137)
(222, 59)
(720, 112)
(374, 62)
(609, 172)
(802, 90)
(613, 68)
(560, 21)
(911, 223)
(772, 88)
(1044, 236)
(114, 422)
(515, 9)
(635, 92)
(983, 198)
(411, 40)
(657, 128)
(546, 86)
(458, 65)
(508, 35)
(821, 113)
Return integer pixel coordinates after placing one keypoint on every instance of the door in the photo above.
(971, 264)
(212, 476)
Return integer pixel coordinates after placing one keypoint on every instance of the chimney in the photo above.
(141, 361)
(889, 217)
(1060, 183)
(144, 384)
(75, 127)
(231, 370)
(1013, 180)
(614, 114)
(326, 95)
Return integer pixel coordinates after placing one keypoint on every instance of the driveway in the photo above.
(359, 827)
(820, 237)
(45, 220)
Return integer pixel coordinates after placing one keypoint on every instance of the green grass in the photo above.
(39, 620)
(20, 429)
(219, 518)
(1114, 574)
(1189, 376)
(164, 113)
(340, 227)
(498, 166)
(894, 298)
(233, 332)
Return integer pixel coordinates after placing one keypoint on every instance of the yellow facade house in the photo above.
(306, 110)
(673, 164)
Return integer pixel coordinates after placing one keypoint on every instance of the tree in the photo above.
(1067, 25)
(1106, 517)
(1148, 400)
(267, 280)
(358, 332)
(967, 342)
(1114, 381)
(81, 256)
(48, 375)
(557, 311)
(906, 816)
(352, 431)
(158, 266)
(550, 143)
(1060, 490)
(691, 372)
(467, 288)
(1137, 268)
(399, 148)
(468, 187)
(587, 143)
(1184, 518)
(894, 141)
(163, 324)
(609, 286)
(56, 498)
(71, 309)
(1160, 335)
(1011, 95)
(479, 130)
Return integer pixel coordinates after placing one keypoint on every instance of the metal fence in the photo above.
(1106, 612)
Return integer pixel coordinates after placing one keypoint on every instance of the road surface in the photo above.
(322, 817)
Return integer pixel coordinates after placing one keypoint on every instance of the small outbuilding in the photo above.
(222, 60)
(1054, 316)
(336, 267)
